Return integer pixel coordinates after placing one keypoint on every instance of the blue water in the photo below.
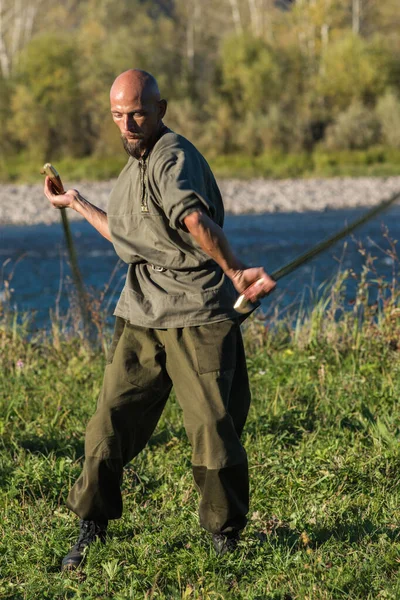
(34, 258)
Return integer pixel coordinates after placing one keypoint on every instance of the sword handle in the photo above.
(52, 172)
(243, 305)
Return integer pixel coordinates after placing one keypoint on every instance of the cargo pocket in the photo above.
(215, 346)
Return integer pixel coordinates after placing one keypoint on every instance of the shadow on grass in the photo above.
(41, 447)
(5, 475)
(282, 535)
(353, 532)
(163, 437)
(288, 427)
(72, 448)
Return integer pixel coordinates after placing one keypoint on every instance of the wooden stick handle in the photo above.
(52, 172)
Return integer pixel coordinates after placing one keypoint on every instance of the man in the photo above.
(175, 323)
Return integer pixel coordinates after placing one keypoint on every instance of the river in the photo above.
(35, 265)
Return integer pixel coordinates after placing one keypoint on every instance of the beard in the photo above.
(134, 148)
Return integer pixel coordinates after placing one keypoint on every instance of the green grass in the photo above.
(372, 162)
(25, 169)
(323, 444)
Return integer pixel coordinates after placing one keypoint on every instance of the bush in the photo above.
(220, 131)
(356, 128)
(388, 113)
(260, 132)
(184, 118)
(280, 130)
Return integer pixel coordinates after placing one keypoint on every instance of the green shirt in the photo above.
(171, 281)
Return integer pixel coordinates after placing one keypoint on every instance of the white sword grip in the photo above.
(242, 305)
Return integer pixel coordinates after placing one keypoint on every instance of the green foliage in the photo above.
(6, 138)
(376, 161)
(46, 105)
(353, 69)
(388, 112)
(250, 74)
(26, 168)
(356, 128)
(250, 81)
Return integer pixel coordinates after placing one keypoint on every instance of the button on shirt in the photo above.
(171, 281)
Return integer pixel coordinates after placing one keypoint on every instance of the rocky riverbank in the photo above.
(26, 204)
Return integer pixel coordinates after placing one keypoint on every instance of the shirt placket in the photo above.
(144, 207)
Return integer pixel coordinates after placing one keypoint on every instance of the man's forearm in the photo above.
(212, 240)
(93, 214)
(253, 282)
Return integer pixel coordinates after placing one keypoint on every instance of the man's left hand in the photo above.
(254, 283)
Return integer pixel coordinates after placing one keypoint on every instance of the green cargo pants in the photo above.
(206, 365)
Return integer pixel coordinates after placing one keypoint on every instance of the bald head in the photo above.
(138, 83)
(137, 109)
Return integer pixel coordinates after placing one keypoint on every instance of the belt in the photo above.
(158, 269)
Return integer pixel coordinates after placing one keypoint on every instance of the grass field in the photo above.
(376, 161)
(323, 444)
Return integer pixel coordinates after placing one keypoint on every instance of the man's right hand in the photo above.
(67, 200)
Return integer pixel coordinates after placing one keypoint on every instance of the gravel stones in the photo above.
(26, 204)
(301, 195)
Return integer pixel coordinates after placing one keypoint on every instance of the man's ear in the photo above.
(162, 108)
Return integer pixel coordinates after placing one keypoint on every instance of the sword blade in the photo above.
(244, 306)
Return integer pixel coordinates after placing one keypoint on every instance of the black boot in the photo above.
(225, 543)
(90, 531)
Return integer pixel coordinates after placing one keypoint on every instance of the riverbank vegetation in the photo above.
(323, 444)
(262, 87)
(373, 162)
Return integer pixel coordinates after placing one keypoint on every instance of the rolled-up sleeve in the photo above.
(181, 186)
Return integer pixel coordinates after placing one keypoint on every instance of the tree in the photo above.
(251, 77)
(17, 21)
(281, 69)
(47, 101)
(353, 69)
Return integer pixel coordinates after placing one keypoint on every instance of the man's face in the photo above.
(138, 121)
